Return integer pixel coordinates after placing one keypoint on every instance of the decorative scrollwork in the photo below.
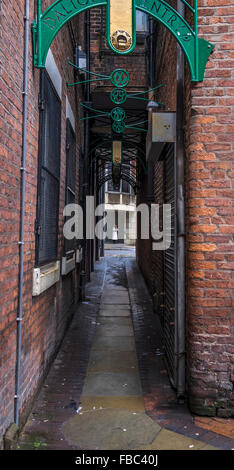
(120, 78)
(118, 96)
(118, 127)
(117, 114)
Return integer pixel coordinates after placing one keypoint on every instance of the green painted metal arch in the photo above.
(196, 50)
(49, 23)
(53, 19)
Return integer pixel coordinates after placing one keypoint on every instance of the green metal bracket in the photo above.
(138, 128)
(98, 75)
(98, 111)
(49, 23)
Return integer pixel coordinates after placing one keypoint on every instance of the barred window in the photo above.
(48, 172)
(70, 175)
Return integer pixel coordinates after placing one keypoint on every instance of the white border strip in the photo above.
(70, 115)
(53, 72)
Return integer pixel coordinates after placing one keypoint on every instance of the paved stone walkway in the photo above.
(100, 390)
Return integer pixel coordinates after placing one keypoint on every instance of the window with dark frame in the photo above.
(125, 187)
(48, 172)
(70, 178)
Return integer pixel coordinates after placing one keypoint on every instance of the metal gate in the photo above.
(169, 317)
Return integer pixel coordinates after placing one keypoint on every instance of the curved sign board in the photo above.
(121, 28)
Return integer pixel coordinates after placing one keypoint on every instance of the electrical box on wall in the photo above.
(164, 127)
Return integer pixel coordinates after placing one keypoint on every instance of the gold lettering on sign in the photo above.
(121, 24)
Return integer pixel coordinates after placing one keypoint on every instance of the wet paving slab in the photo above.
(112, 384)
(106, 388)
(114, 361)
(114, 312)
(114, 343)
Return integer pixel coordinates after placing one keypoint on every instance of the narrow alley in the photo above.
(116, 226)
(108, 387)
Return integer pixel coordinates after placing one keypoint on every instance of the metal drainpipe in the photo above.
(151, 59)
(85, 263)
(180, 330)
(150, 164)
(22, 221)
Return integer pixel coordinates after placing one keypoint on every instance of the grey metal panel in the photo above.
(164, 127)
(170, 267)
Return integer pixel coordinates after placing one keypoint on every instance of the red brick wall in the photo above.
(210, 218)
(11, 141)
(45, 317)
(209, 210)
(166, 67)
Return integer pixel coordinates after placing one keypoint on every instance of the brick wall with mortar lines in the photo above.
(209, 209)
(209, 218)
(44, 319)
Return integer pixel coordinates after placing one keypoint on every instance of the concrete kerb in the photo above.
(10, 437)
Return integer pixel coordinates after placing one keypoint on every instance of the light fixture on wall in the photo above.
(152, 106)
(80, 58)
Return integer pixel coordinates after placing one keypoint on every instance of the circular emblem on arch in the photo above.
(118, 96)
(121, 40)
(118, 127)
(120, 78)
(118, 114)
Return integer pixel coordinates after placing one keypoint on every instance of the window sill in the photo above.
(45, 277)
(68, 264)
(79, 254)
